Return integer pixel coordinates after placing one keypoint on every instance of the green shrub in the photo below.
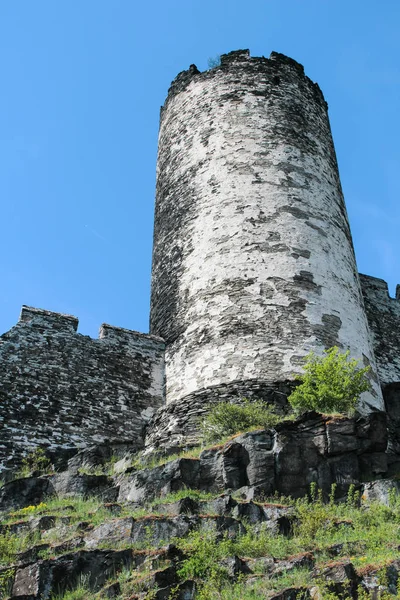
(225, 418)
(330, 384)
(6, 582)
(8, 547)
(35, 461)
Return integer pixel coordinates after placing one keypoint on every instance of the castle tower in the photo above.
(253, 262)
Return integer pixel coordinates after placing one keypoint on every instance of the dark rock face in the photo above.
(29, 491)
(62, 390)
(381, 490)
(68, 484)
(341, 579)
(294, 593)
(40, 580)
(171, 477)
(96, 456)
(315, 448)
(329, 450)
(33, 490)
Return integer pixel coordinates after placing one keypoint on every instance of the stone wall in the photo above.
(178, 424)
(60, 389)
(253, 263)
(383, 314)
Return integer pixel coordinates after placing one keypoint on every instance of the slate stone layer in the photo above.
(383, 314)
(253, 262)
(62, 390)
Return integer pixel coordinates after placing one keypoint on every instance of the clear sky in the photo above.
(82, 82)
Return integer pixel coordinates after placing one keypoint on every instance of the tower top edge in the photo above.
(242, 60)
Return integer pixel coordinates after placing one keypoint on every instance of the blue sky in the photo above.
(82, 84)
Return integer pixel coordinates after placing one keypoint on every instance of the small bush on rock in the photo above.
(330, 384)
(225, 418)
(35, 461)
(6, 581)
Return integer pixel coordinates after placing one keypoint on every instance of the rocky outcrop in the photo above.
(287, 459)
(138, 526)
(315, 448)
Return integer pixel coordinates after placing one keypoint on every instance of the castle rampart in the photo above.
(383, 314)
(62, 390)
(253, 267)
(253, 262)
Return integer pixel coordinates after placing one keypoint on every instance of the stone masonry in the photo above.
(383, 314)
(62, 390)
(253, 262)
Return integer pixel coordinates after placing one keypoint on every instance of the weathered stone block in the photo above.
(341, 436)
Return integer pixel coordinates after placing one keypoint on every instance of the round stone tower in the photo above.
(253, 262)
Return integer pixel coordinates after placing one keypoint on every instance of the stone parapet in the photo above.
(383, 313)
(63, 390)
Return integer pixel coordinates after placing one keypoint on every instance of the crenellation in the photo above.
(135, 339)
(48, 319)
(376, 286)
(282, 59)
(63, 390)
(234, 57)
(383, 313)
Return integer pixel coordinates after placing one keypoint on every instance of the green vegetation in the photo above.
(81, 592)
(365, 534)
(330, 384)
(35, 461)
(156, 460)
(6, 578)
(226, 419)
(185, 493)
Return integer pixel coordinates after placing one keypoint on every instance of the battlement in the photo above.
(273, 67)
(379, 288)
(120, 335)
(48, 319)
(60, 389)
(383, 313)
(234, 56)
(243, 56)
